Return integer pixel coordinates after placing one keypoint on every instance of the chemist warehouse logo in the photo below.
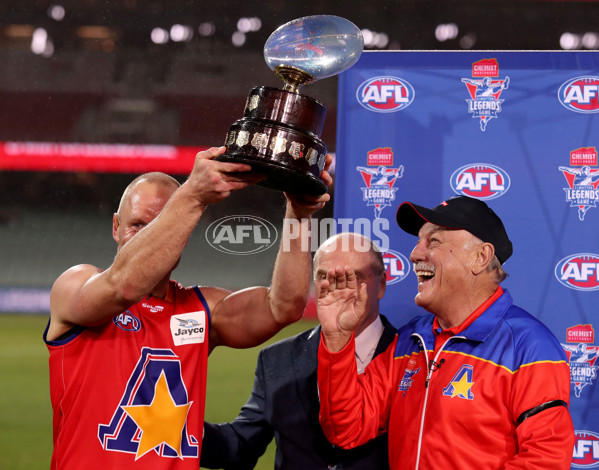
(484, 89)
(586, 450)
(580, 94)
(583, 180)
(582, 356)
(385, 94)
(241, 234)
(480, 180)
(379, 191)
(579, 271)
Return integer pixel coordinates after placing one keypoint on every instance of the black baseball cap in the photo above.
(461, 212)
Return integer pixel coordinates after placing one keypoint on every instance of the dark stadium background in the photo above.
(87, 71)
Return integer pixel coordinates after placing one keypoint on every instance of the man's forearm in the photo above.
(221, 449)
(290, 286)
(151, 254)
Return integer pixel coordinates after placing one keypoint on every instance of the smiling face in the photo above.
(444, 261)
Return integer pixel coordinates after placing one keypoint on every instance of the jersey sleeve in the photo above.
(353, 409)
(545, 433)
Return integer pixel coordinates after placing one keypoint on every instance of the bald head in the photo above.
(363, 256)
(351, 242)
(156, 178)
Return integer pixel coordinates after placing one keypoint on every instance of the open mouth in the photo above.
(424, 272)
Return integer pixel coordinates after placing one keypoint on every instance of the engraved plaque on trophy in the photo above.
(279, 133)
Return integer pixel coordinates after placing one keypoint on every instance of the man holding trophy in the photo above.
(129, 345)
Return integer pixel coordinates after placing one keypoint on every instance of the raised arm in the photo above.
(250, 316)
(353, 408)
(151, 235)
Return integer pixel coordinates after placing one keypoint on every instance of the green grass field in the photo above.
(26, 414)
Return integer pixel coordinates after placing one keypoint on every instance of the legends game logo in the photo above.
(582, 178)
(582, 356)
(379, 191)
(484, 89)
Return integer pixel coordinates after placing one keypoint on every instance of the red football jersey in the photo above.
(131, 393)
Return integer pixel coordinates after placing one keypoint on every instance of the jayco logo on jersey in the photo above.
(580, 94)
(586, 450)
(480, 180)
(241, 234)
(188, 328)
(385, 94)
(579, 271)
(127, 321)
(397, 266)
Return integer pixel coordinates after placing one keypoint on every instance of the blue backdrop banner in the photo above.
(519, 130)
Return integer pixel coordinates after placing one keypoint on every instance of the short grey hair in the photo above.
(495, 265)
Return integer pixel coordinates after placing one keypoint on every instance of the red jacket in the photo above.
(493, 396)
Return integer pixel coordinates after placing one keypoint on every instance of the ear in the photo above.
(115, 227)
(484, 253)
(382, 285)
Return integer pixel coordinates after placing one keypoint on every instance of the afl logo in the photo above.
(579, 271)
(480, 180)
(241, 235)
(581, 94)
(127, 321)
(586, 450)
(385, 94)
(397, 266)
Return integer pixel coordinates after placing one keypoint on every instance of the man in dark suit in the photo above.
(284, 401)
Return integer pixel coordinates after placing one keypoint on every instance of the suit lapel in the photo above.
(305, 357)
(387, 337)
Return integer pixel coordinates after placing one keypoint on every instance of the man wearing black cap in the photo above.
(480, 384)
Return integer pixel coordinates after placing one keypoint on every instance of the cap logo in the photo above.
(444, 203)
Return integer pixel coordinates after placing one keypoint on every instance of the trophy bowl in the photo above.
(279, 133)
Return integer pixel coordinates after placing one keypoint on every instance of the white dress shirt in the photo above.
(366, 343)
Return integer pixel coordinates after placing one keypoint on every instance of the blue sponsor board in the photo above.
(516, 129)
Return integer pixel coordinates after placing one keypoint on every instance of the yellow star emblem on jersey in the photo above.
(160, 422)
(462, 387)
